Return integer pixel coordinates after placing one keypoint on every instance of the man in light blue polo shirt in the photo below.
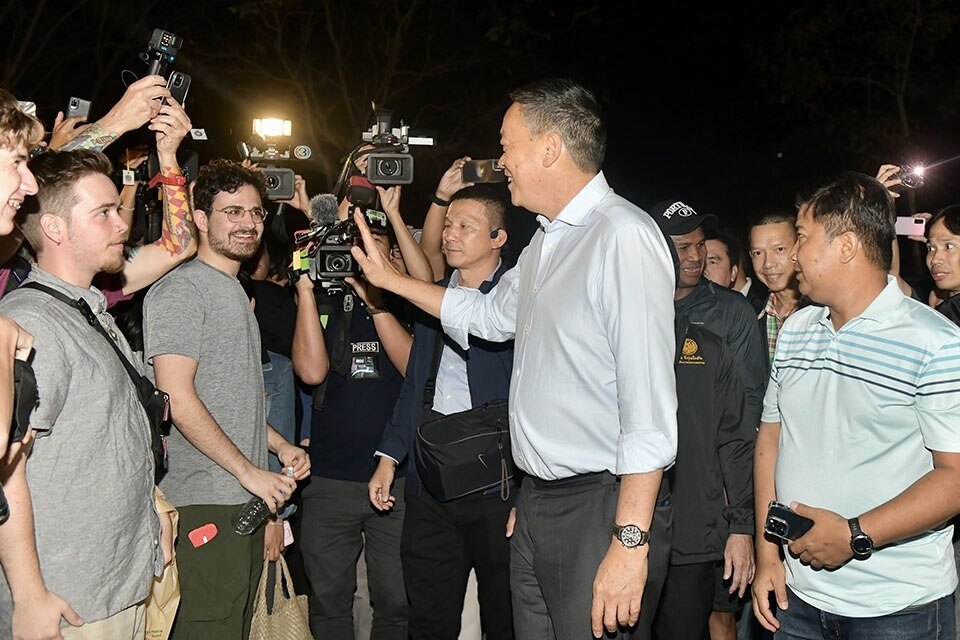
(859, 433)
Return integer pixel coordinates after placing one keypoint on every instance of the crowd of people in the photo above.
(664, 380)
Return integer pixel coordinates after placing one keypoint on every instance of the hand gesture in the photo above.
(922, 216)
(770, 577)
(293, 457)
(390, 200)
(377, 268)
(139, 105)
(738, 562)
(452, 179)
(65, 130)
(827, 543)
(886, 176)
(618, 588)
(378, 489)
(171, 124)
(300, 199)
(273, 488)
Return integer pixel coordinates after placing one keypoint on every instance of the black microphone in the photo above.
(323, 209)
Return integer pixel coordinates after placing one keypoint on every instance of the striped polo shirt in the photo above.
(860, 410)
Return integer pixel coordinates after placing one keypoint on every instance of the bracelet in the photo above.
(373, 311)
(435, 199)
(123, 208)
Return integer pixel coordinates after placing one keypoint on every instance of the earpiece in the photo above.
(495, 233)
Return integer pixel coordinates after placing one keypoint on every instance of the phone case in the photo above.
(202, 534)
(785, 523)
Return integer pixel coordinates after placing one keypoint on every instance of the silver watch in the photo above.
(630, 535)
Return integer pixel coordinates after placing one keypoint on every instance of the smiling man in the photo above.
(771, 239)
(201, 338)
(859, 434)
(593, 412)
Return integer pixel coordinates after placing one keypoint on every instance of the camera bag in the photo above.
(156, 403)
(466, 452)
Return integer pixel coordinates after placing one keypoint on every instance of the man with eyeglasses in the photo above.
(201, 338)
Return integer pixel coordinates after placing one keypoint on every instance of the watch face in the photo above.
(861, 545)
(631, 536)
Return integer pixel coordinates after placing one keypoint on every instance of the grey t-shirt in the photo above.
(91, 469)
(202, 313)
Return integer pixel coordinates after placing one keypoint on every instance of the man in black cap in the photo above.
(705, 305)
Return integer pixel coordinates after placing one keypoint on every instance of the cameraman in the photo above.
(368, 351)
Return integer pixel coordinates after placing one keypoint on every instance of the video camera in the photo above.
(161, 52)
(390, 162)
(265, 148)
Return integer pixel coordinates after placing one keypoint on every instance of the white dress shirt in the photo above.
(590, 305)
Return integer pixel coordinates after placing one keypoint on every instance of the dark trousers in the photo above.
(338, 523)
(684, 609)
(563, 532)
(441, 542)
(218, 580)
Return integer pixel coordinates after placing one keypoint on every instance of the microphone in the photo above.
(323, 209)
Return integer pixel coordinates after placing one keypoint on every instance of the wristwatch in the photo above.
(860, 543)
(630, 535)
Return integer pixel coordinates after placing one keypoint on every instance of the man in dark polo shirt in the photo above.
(368, 349)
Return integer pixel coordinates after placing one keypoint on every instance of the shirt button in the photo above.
(526, 329)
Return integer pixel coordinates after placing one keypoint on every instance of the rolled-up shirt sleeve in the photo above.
(492, 317)
(636, 298)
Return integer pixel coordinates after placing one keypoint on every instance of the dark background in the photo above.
(735, 110)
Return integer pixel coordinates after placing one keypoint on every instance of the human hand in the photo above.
(16, 450)
(452, 179)
(247, 163)
(770, 576)
(139, 104)
(273, 540)
(738, 562)
(134, 157)
(372, 296)
(300, 199)
(361, 161)
(15, 339)
(886, 175)
(172, 125)
(390, 200)
(37, 617)
(827, 543)
(293, 457)
(273, 488)
(378, 489)
(65, 130)
(511, 522)
(377, 268)
(618, 588)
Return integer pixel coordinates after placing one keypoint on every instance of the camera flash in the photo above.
(918, 170)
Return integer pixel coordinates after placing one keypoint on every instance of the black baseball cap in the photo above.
(676, 218)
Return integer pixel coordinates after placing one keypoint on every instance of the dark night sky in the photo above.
(690, 112)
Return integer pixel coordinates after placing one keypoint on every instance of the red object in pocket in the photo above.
(202, 535)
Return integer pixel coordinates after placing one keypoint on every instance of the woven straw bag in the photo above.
(288, 618)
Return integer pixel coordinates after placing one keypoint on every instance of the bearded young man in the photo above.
(201, 338)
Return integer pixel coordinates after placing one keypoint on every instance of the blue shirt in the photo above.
(591, 305)
(860, 409)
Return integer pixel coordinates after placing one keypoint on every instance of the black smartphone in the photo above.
(179, 85)
(479, 171)
(785, 523)
(78, 107)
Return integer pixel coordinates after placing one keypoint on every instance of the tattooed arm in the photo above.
(177, 241)
(137, 107)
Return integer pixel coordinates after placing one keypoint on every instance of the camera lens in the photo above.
(273, 182)
(388, 167)
(338, 263)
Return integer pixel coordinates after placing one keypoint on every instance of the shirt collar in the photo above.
(770, 310)
(881, 308)
(455, 276)
(577, 211)
(93, 296)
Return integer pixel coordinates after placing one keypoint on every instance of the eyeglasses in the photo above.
(236, 214)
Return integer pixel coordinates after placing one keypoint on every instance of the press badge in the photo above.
(129, 177)
(366, 361)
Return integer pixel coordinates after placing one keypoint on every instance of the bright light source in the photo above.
(271, 127)
(918, 170)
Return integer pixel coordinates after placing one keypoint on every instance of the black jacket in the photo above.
(757, 295)
(714, 449)
(951, 308)
(728, 314)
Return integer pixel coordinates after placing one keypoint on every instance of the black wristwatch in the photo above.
(630, 535)
(860, 543)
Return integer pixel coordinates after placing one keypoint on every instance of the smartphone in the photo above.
(179, 85)
(479, 171)
(202, 534)
(785, 523)
(77, 107)
(907, 226)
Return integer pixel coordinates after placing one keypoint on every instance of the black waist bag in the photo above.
(466, 452)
